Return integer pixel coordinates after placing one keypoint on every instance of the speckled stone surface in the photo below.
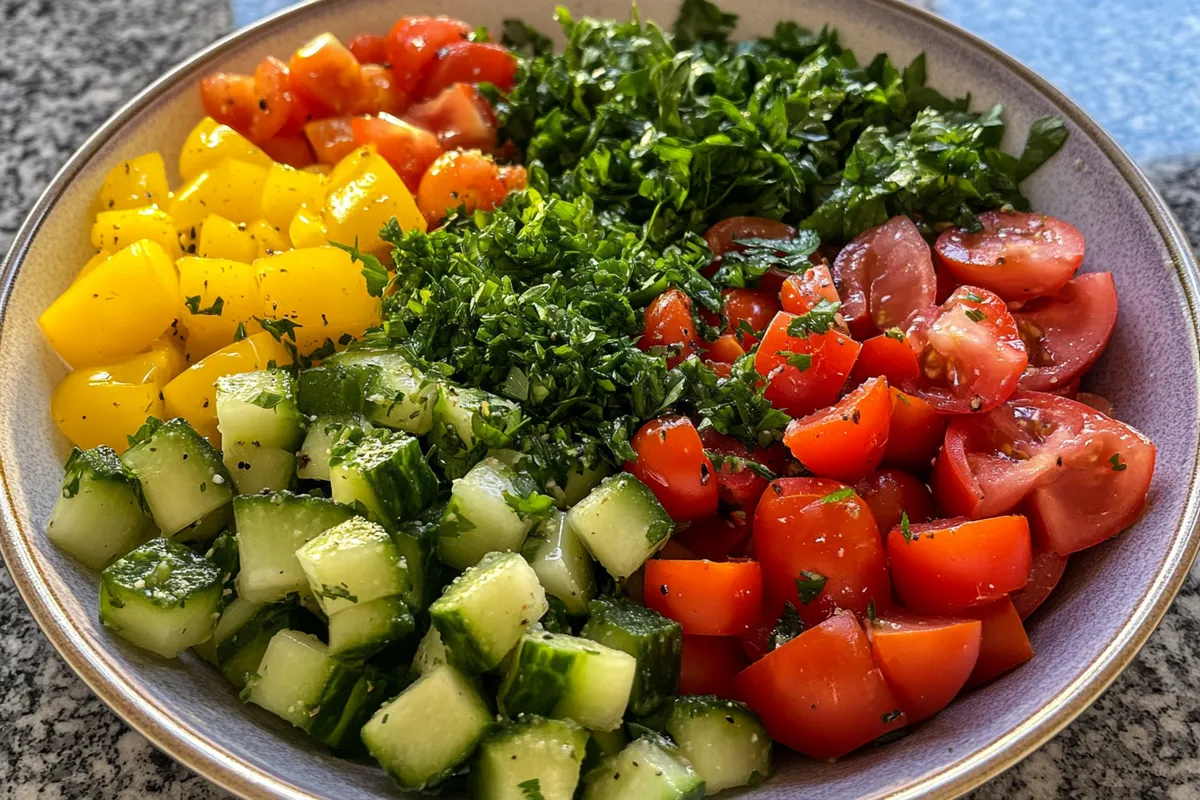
(1141, 739)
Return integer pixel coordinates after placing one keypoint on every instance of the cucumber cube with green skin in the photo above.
(467, 423)
(240, 651)
(330, 389)
(487, 609)
(300, 682)
(182, 476)
(395, 393)
(385, 471)
(256, 469)
(655, 641)
(581, 481)
(352, 563)
(566, 677)
(260, 407)
(100, 514)
(649, 769)
(362, 630)
(207, 528)
(270, 529)
(478, 519)
(604, 744)
(621, 523)
(312, 462)
(561, 563)
(533, 757)
(431, 653)
(161, 597)
(416, 541)
(236, 614)
(433, 726)
(723, 740)
(368, 694)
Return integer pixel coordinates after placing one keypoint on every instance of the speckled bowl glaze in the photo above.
(1109, 601)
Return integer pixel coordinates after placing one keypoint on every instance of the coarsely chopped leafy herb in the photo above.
(905, 530)
(193, 306)
(375, 274)
(787, 628)
(838, 495)
(810, 585)
(817, 320)
(745, 267)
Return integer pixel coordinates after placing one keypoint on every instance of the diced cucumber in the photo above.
(208, 527)
(478, 518)
(236, 614)
(724, 741)
(182, 477)
(330, 389)
(270, 529)
(581, 481)
(246, 629)
(260, 407)
(431, 728)
(162, 597)
(487, 609)
(299, 681)
(603, 744)
(395, 393)
(533, 757)
(655, 641)
(648, 769)
(621, 523)
(368, 694)
(99, 514)
(352, 563)
(364, 629)
(466, 423)
(431, 652)
(561, 563)
(224, 553)
(416, 540)
(257, 469)
(566, 677)
(385, 471)
(312, 462)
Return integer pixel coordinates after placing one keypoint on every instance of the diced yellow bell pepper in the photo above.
(269, 239)
(319, 288)
(193, 394)
(169, 359)
(105, 404)
(317, 169)
(93, 262)
(202, 281)
(210, 143)
(364, 193)
(221, 238)
(116, 310)
(140, 181)
(307, 229)
(230, 189)
(286, 190)
(115, 229)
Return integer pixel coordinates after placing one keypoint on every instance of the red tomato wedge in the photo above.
(413, 44)
(328, 79)
(668, 323)
(386, 96)
(710, 665)
(803, 373)
(1044, 575)
(747, 313)
(460, 116)
(469, 62)
(819, 549)
(847, 440)
(1004, 644)
(293, 150)
(883, 275)
(1064, 334)
(724, 350)
(409, 149)
(968, 350)
(822, 693)
(926, 661)
(892, 493)
(915, 433)
(259, 106)
(672, 463)
(460, 178)
(332, 139)
(802, 291)
(716, 538)
(707, 598)
(1017, 255)
(737, 485)
(945, 566)
(886, 356)
(369, 48)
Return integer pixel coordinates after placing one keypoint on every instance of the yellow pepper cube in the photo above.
(221, 238)
(364, 193)
(105, 404)
(116, 310)
(92, 263)
(231, 189)
(193, 395)
(116, 229)
(140, 181)
(269, 239)
(218, 295)
(307, 229)
(210, 143)
(168, 358)
(287, 190)
(322, 290)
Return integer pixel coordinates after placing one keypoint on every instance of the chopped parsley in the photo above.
(809, 586)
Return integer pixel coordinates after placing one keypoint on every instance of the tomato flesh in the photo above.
(408, 149)
(826, 358)
(1045, 573)
(293, 150)
(460, 116)
(413, 43)
(722, 237)
(892, 493)
(668, 323)
(385, 96)
(469, 62)
(1064, 334)
(915, 433)
(327, 77)
(259, 106)
(883, 275)
(926, 661)
(1003, 644)
(332, 139)
(464, 179)
(802, 291)
(369, 48)
(707, 598)
(886, 357)
(847, 440)
(716, 538)
(751, 309)
(709, 665)
(671, 461)
(723, 350)
(737, 485)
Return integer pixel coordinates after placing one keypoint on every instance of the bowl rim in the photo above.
(119, 691)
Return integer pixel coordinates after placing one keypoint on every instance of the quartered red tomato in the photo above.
(716, 538)
(385, 96)
(747, 313)
(709, 665)
(968, 350)
(460, 116)
(803, 373)
(259, 106)
(1065, 333)
(926, 661)
(410, 150)
(1083, 476)
(1044, 575)
(883, 275)
(1003, 644)
(369, 48)
(915, 433)
(460, 178)
(803, 290)
(672, 463)
(413, 44)
(886, 356)
(892, 493)
(328, 79)
(293, 150)
(668, 323)
(707, 598)
(331, 138)
(469, 62)
(1017, 255)
(846, 440)
(737, 485)
(723, 350)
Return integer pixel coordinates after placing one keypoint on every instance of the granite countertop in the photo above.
(67, 64)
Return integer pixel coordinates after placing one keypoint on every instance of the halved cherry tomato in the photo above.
(369, 48)
(723, 236)
(465, 178)
(385, 96)
(469, 62)
(1004, 643)
(410, 150)
(883, 275)
(847, 440)
(945, 566)
(886, 356)
(514, 177)
(926, 661)
(748, 308)
(460, 116)
(892, 493)
(672, 463)
(674, 550)
(716, 538)
(915, 433)
(230, 99)
(968, 350)
(803, 373)
(1016, 255)
(1064, 334)
(737, 485)
(709, 665)
(293, 150)
(756, 640)
(802, 291)
(258, 106)
(822, 693)
(723, 350)
(668, 323)
(707, 598)
(1045, 573)
(817, 542)
(328, 79)
(413, 44)
(332, 138)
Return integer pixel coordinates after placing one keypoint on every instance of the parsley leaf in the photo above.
(837, 495)
(279, 328)
(373, 270)
(817, 320)
(1046, 136)
(905, 530)
(894, 333)
(787, 628)
(144, 433)
(744, 267)
(702, 21)
(810, 585)
(801, 361)
(193, 306)
(975, 315)
(1117, 464)
(532, 789)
